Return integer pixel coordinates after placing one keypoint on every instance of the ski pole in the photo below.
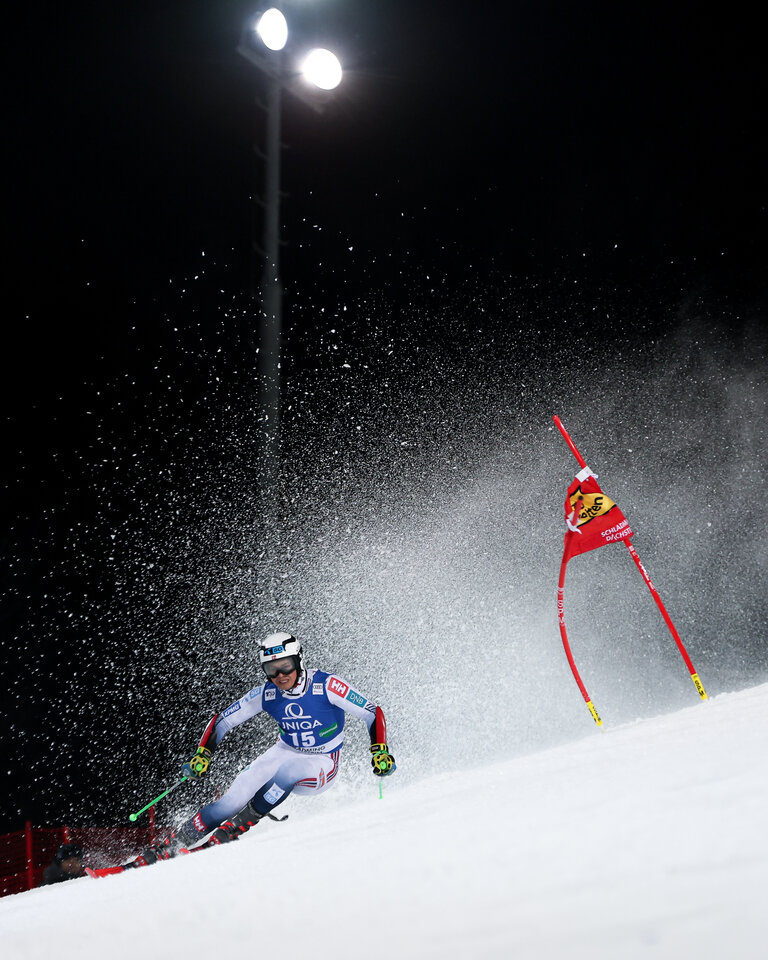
(135, 816)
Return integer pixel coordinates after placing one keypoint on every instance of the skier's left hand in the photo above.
(382, 761)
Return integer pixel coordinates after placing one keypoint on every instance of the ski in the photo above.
(96, 873)
(203, 846)
(206, 845)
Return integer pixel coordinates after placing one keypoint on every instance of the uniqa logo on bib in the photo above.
(296, 719)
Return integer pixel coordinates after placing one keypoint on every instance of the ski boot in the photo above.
(168, 847)
(233, 829)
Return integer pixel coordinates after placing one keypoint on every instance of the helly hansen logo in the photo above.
(199, 825)
(337, 686)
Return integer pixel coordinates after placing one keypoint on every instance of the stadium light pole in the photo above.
(264, 46)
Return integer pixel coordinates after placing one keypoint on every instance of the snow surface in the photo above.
(645, 840)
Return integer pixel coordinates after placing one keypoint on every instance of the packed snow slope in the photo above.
(645, 840)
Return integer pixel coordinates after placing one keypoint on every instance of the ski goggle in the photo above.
(284, 667)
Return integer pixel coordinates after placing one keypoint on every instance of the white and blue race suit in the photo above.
(305, 759)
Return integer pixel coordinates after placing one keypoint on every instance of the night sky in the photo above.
(549, 148)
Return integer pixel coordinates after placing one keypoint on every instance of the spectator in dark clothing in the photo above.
(66, 865)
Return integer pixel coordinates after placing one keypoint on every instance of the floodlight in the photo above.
(322, 68)
(273, 29)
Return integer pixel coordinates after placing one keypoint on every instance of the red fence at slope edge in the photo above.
(26, 853)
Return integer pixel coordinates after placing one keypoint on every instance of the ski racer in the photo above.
(310, 707)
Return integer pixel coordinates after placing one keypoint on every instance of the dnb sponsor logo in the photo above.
(355, 698)
(337, 686)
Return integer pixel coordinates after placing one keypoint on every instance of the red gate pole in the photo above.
(567, 646)
(579, 459)
(30, 861)
(668, 620)
(151, 825)
(561, 595)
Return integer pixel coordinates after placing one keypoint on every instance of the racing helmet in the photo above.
(278, 646)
